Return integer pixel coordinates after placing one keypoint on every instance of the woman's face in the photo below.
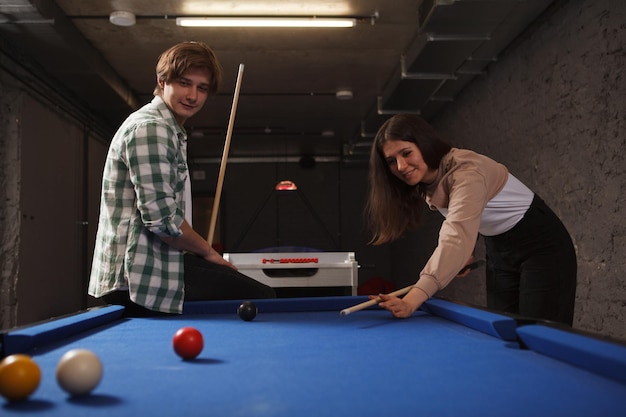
(405, 162)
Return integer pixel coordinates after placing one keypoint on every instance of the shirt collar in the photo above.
(167, 114)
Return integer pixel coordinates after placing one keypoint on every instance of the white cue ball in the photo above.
(79, 371)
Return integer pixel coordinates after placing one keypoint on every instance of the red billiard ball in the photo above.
(188, 343)
(247, 310)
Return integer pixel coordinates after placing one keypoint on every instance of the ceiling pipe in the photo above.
(83, 50)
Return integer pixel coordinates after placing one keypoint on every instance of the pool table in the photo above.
(300, 357)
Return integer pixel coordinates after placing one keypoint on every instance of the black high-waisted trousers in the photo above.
(531, 269)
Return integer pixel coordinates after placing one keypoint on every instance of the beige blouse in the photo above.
(466, 182)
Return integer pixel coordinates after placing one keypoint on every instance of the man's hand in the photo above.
(190, 241)
(216, 258)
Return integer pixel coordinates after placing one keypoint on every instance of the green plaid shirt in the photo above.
(143, 198)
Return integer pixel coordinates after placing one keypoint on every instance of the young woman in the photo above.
(531, 261)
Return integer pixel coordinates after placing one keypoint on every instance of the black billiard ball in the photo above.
(247, 310)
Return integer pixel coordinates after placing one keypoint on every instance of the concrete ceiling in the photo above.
(403, 55)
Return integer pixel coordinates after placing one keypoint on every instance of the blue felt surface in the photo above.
(319, 363)
(275, 305)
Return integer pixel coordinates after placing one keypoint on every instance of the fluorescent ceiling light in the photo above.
(265, 22)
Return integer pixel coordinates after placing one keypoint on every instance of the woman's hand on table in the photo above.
(402, 307)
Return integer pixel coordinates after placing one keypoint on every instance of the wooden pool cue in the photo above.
(374, 301)
(220, 178)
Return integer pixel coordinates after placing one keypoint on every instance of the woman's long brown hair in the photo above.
(394, 207)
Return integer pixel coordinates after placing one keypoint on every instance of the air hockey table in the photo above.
(327, 273)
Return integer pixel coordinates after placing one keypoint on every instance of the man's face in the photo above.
(186, 95)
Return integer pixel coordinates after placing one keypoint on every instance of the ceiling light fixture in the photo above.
(344, 94)
(265, 22)
(286, 185)
(121, 18)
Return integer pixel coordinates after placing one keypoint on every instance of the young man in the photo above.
(147, 256)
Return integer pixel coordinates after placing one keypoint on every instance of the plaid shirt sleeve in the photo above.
(142, 198)
(158, 176)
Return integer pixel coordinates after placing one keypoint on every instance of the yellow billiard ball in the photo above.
(19, 377)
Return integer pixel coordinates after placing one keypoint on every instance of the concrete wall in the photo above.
(10, 108)
(553, 110)
(45, 244)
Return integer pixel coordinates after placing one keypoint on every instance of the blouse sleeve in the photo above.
(467, 192)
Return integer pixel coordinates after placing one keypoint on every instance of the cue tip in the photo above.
(345, 312)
